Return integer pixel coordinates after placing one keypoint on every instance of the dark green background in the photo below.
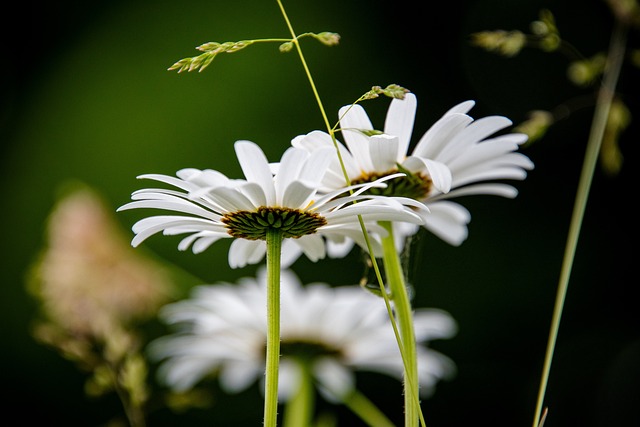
(86, 96)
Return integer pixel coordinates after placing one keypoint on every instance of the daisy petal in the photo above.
(353, 120)
(439, 173)
(243, 252)
(399, 121)
(255, 167)
(448, 220)
(297, 194)
(292, 161)
(383, 150)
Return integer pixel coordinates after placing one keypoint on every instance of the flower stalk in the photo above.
(598, 126)
(300, 407)
(274, 246)
(402, 305)
(406, 344)
(366, 410)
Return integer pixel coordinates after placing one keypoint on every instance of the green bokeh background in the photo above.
(86, 96)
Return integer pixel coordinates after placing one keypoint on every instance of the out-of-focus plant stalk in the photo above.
(404, 337)
(603, 106)
(300, 406)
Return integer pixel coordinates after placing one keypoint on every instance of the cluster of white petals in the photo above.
(202, 199)
(458, 154)
(221, 330)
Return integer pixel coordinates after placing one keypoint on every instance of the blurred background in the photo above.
(86, 97)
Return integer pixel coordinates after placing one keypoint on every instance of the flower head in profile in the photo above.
(457, 156)
(331, 331)
(212, 207)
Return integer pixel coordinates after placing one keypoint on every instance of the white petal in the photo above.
(334, 380)
(312, 245)
(384, 152)
(290, 253)
(439, 173)
(339, 248)
(292, 161)
(433, 324)
(317, 165)
(255, 167)
(239, 375)
(205, 178)
(440, 134)
(476, 131)
(448, 221)
(254, 193)
(493, 189)
(462, 108)
(372, 213)
(353, 119)
(243, 252)
(177, 205)
(312, 141)
(149, 226)
(289, 377)
(203, 243)
(231, 200)
(495, 149)
(204, 240)
(297, 195)
(399, 121)
(176, 182)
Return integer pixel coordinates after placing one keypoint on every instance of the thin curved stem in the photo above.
(274, 247)
(366, 410)
(598, 125)
(331, 131)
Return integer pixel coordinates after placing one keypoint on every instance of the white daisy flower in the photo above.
(217, 207)
(333, 330)
(455, 157)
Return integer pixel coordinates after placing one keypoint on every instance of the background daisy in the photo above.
(333, 331)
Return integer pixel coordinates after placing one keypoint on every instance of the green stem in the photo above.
(305, 66)
(402, 304)
(274, 246)
(598, 125)
(300, 407)
(366, 410)
(331, 130)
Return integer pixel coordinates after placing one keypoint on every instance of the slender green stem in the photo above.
(274, 246)
(304, 64)
(300, 407)
(402, 304)
(331, 131)
(366, 410)
(598, 125)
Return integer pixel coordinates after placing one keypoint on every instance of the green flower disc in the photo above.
(253, 225)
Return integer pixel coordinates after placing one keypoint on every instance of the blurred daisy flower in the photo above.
(455, 157)
(217, 207)
(327, 333)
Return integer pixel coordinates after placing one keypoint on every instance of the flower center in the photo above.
(307, 350)
(253, 225)
(414, 185)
